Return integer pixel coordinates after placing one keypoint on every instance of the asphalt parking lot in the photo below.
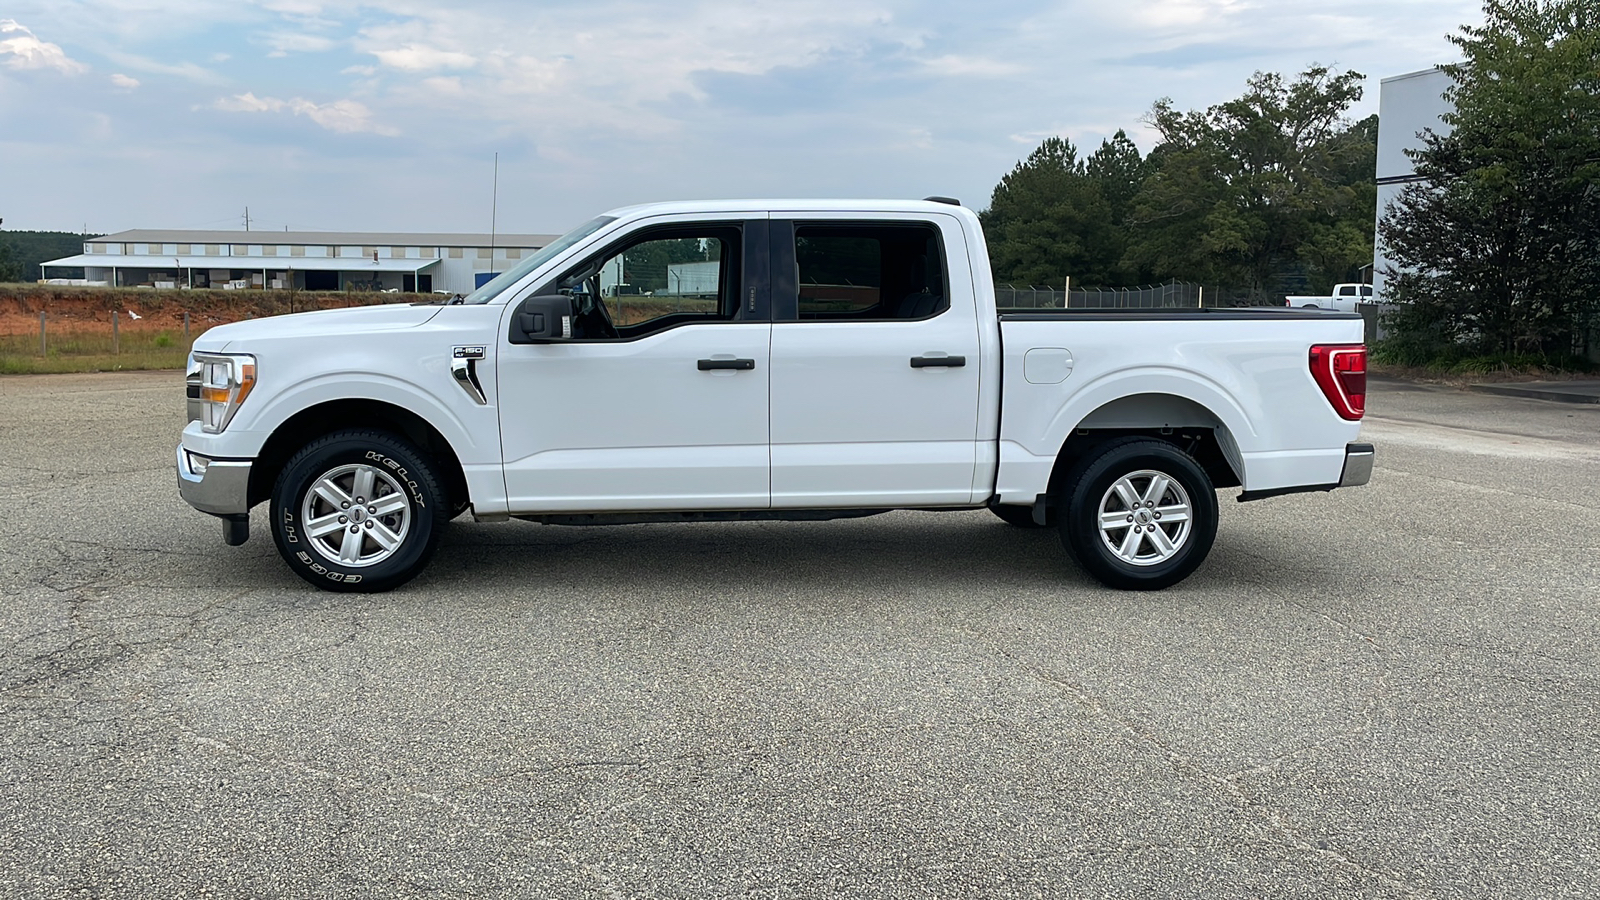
(1390, 691)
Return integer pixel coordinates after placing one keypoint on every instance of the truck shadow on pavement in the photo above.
(953, 549)
(962, 552)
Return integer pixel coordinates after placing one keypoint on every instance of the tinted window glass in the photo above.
(679, 276)
(662, 277)
(869, 272)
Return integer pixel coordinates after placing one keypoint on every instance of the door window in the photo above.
(869, 273)
(668, 278)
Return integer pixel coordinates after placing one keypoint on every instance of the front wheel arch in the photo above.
(313, 422)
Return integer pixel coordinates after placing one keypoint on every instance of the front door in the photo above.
(660, 400)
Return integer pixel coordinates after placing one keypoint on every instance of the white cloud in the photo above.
(954, 66)
(124, 82)
(284, 43)
(342, 116)
(185, 70)
(422, 58)
(25, 51)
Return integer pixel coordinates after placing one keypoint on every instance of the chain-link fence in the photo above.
(1157, 296)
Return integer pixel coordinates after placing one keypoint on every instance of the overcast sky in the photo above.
(385, 115)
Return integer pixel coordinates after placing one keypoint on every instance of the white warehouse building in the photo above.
(302, 260)
(1408, 105)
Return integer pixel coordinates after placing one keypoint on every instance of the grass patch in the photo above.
(90, 352)
(1458, 362)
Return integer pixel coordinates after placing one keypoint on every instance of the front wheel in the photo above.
(1141, 514)
(357, 511)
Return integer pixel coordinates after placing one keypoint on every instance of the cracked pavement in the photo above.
(1389, 691)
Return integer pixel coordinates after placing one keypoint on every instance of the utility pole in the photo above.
(247, 218)
(494, 207)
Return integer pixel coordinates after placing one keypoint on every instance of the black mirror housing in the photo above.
(542, 320)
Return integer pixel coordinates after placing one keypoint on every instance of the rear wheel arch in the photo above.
(322, 419)
(1180, 421)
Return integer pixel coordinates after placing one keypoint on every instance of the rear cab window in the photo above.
(869, 272)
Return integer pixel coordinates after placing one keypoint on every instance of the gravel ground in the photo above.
(1389, 691)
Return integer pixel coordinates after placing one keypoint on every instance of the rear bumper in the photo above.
(1357, 471)
(1357, 465)
(222, 489)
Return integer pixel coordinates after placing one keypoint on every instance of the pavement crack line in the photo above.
(1482, 489)
(1226, 784)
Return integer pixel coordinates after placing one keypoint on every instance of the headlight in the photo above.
(224, 381)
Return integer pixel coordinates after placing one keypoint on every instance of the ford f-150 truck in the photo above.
(1345, 298)
(763, 360)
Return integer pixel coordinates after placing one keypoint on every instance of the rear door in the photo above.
(875, 362)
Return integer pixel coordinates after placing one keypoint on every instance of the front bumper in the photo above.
(222, 490)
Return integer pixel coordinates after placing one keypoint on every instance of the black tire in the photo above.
(399, 477)
(1090, 485)
(1020, 516)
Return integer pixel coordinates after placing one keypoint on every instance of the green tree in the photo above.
(1055, 216)
(10, 268)
(1269, 186)
(1498, 246)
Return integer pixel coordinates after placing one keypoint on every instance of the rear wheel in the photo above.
(1140, 515)
(357, 511)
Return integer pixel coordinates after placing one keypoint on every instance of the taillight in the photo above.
(1341, 372)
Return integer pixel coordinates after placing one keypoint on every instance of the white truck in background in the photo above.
(847, 359)
(1345, 298)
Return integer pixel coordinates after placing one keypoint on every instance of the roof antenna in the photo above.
(951, 201)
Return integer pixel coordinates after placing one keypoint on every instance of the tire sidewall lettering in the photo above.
(399, 461)
(401, 473)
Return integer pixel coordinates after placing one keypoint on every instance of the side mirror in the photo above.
(542, 320)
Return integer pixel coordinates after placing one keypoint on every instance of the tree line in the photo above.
(1496, 246)
(1270, 193)
(21, 252)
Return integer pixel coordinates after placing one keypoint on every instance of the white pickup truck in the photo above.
(1345, 298)
(763, 360)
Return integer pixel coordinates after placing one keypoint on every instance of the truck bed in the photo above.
(1243, 373)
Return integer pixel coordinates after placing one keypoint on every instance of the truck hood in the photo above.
(319, 323)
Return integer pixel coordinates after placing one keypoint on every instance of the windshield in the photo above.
(505, 279)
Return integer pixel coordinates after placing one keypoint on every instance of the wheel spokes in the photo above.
(1130, 545)
(1162, 544)
(1156, 490)
(331, 492)
(387, 505)
(1125, 491)
(1172, 514)
(1145, 517)
(383, 537)
(328, 524)
(365, 476)
(350, 533)
(350, 547)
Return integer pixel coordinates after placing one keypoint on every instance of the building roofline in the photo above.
(344, 238)
(1417, 74)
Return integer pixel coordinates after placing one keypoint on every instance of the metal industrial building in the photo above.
(307, 260)
(1408, 105)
